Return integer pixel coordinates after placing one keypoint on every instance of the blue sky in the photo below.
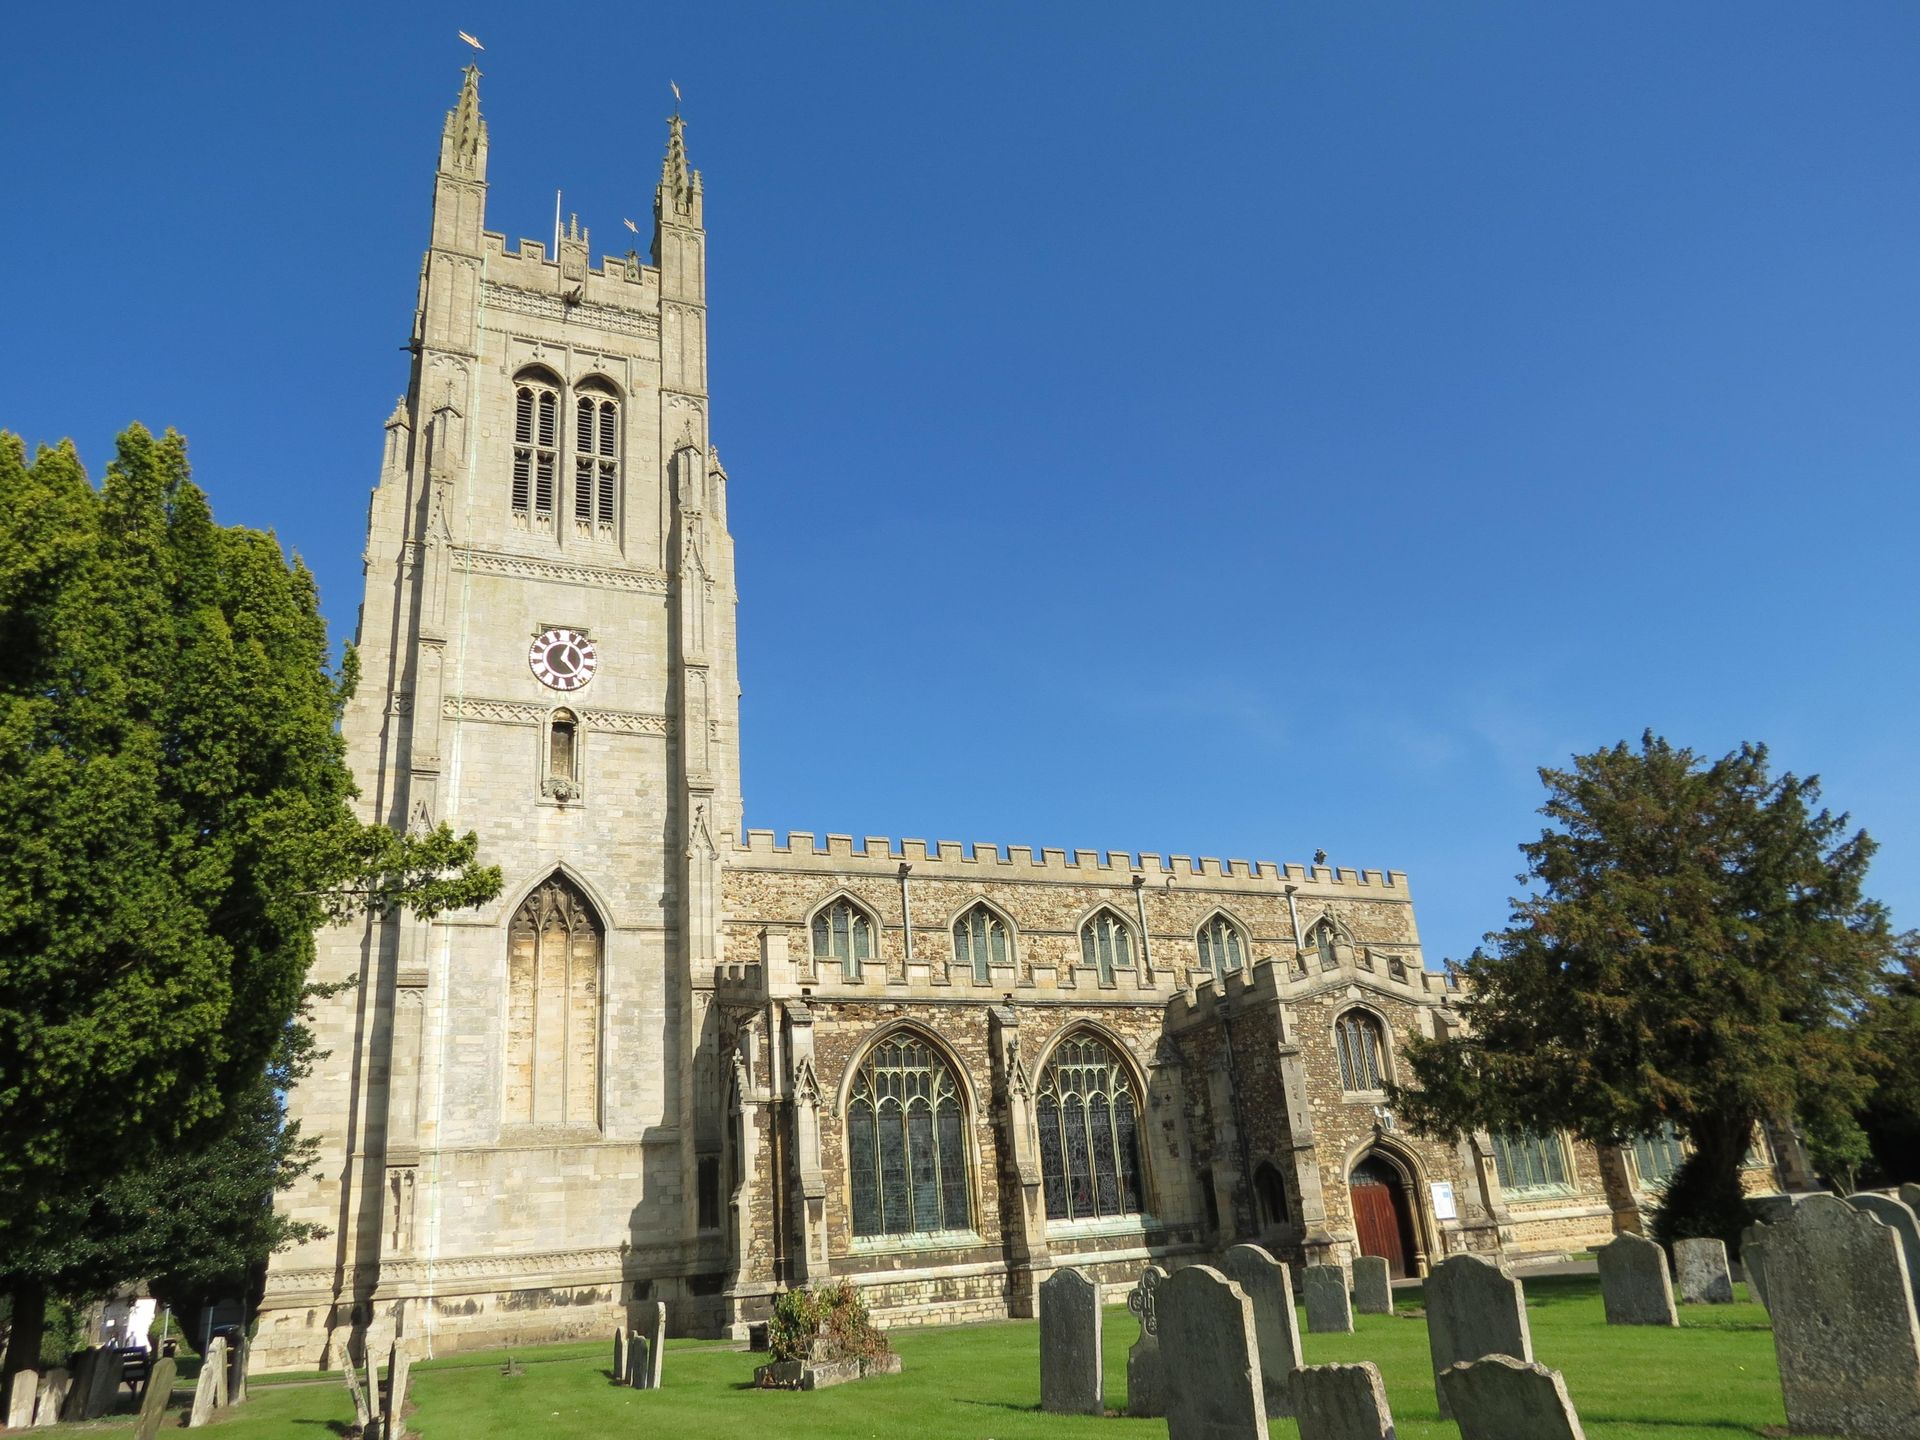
(1224, 430)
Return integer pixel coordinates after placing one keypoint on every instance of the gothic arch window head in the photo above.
(1362, 1043)
(1222, 950)
(1321, 940)
(1087, 1111)
(843, 932)
(1657, 1156)
(1271, 1191)
(906, 1142)
(1106, 944)
(596, 457)
(536, 445)
(980, 940)
(555, 943)
(1530, 1164)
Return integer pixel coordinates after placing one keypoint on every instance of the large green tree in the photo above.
(175, 811)
(1697, 949)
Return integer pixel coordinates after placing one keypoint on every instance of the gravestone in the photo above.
(1500, 1398)
(1898, 1214)
(1341, 1402)
(1474, 1308)
(53, 1396)
(86, 1373)
(398, 1374)
(22, 1398)
(620, 1356)
(1329, 1312)
(215, 1359)
(1700, 1266)
(1911, 1195)
(639, 1363)
(1145, 1390)
(158, 1395)
(203, 1391)
(1372, 1285)
(1843, 1322)
(759, 1336)
(1753, 1260)
(1634, 1283)
(237, 1370)
(653, 1325)
(1769, 1208)
(1070, 1378)
(1210, 1359)
(1276, 1326)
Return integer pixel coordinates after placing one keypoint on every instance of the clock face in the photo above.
(562, 659)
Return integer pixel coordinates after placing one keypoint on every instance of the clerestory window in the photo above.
(980, 941)
(843, 932)
(1106, 943)
(1221, 949)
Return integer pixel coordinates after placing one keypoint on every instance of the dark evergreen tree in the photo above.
(175, 812)
(1697, 950)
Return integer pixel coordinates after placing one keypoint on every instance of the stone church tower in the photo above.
(511, 1106)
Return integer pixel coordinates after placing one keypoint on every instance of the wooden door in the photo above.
(1376, 1219)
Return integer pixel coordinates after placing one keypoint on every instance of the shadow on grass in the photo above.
(338, 1427)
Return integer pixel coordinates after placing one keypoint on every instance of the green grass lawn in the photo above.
(1712, 1379)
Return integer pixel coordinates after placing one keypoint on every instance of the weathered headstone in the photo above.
(204, 1392)
(1070, 1378)
(1501, 1398)
(1276, 1326)
(1634, 1283)
(22, 1398)
(1769, 1208)
(639, 1363)
(53, 1396)
(1209, 1358)
(216, 1360)
(1146, 1394)
(1898, 1214)
(653, 1325)
(1474, 1308)
(237, 1370)
(620, 1356)
(1372, 1285)
(362, 1409)
(86, 1372)
(398, 1375)
(158, 1395)
(1911, 1195)
(759, 1336)
(1700, 1266)
(1329, 1311)
(1341, 1402)
(1843, 1322)
(1753, 1261)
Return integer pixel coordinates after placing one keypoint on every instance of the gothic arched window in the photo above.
(596, 457)
(980, 940)
(1089, 1121)
(843, 931)
(1271, 1192)
(1221, 950)
(536, 442)
(1526, 1161)
(553, 1008)
(906, 1142)
(1658, 1155)
(1106, 943)
(1322, 940)
(1363, 1051)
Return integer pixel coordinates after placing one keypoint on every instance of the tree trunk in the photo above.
(28, 1328)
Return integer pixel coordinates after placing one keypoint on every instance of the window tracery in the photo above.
(906, 1142)
(1088, 1117)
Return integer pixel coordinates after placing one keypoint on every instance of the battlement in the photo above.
(1277, 978)
(531, 266)
(1086, 866)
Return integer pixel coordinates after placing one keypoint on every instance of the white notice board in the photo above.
(1442, 1199)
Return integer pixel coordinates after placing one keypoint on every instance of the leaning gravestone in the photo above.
(203, 1390)
(1474, 1308)
(216, 1360)
(653, 1325)
(1372, 1285)
(1753, 1260)
(1700, 1266)
(156, 1398)
(1146, 1394)
(22, 1397)
(1500, 1398)
(620, 1356)
(1070, 1378)
(1898, 1214)
(1211, 1359)
(1329, 1312)
(1843, 1322)
(237, 1370)
(1341, 1402)
(1634, 1283)
(86, 1373)
(639, 1363)
(53, 1396)
(104, 1385)
(1276, 1326)
(398, 1373)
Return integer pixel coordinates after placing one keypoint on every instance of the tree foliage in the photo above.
(1697, 949)
(176, 811)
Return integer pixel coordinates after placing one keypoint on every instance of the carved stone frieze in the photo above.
(549, 307)
(526, 567)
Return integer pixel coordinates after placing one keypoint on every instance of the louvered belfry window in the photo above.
(536, 425)
(596, 458)
(906, 1143)
(1089, 1122)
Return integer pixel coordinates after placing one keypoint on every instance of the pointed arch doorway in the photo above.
(1383, 1215)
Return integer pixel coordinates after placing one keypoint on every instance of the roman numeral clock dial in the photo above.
(562, 659)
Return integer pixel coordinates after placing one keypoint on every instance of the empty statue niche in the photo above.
(554, 950)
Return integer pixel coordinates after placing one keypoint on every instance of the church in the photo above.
(678, 1059)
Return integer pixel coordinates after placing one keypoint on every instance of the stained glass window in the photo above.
(1657, 1156)
(1106, 944)
(843, 932)
(906, 1143)
(1088, 1118)
(1529, 1162)
(1322, 941)
(980, 940)
(1220, 947)
(1362, 1051)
